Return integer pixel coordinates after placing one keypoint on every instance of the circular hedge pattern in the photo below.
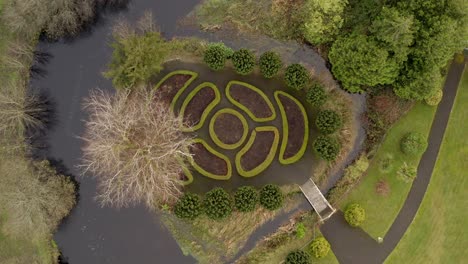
(217, 204)
(413, 143)
(271, 197)
(240, 118)
(246, 198)
(328, 121)
(189, 206)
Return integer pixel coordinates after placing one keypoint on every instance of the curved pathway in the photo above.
(353, 245)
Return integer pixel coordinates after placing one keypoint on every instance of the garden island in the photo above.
(233, 131)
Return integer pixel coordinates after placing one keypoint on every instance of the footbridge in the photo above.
(315, 197)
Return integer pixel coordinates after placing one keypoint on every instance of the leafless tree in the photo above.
(134, 147)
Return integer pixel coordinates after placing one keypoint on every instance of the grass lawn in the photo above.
(381, 210)
(438, 232)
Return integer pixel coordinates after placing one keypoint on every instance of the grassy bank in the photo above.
(437, 232)
(383, 207)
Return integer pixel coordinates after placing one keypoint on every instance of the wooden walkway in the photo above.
(315, 197)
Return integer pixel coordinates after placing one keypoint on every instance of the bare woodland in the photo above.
(133, 147)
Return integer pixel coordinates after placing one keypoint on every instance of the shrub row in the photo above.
(218, 204)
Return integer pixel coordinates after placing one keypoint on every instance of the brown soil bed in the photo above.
(197, 105)
(259, 150)
(252, 100)
(169, 88)
(296, 125)
(228, 128)
(207, 160)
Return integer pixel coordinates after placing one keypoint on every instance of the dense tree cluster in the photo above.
(323, 20)
(401, 43)
(316, 95)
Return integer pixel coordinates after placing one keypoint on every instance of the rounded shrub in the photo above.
(319, 247)
(298, 257)
(435, 98)
(296, 76)
(328, 121)
(355, 214)
(316, 95)
(216, 55)
(189, 206)
(246, 198)
(271, 197)
(243, 61)
(407, 173)
(413, 143)
(217, 204)
(270, 64)
(326, 147)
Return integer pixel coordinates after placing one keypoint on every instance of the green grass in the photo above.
(382, 210)
(438, 232)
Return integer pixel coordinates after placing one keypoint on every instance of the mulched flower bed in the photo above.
(296, 125)
(167, 90)
(259, 150)
(252, 100)
(228, 128)
(207, 160)
(198, 104)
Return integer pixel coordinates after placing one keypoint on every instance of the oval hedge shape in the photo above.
(209, 107)
(246, 108)
(217, 154)
(182, 89)
(214, 136)
(268, 159)
(286, 128)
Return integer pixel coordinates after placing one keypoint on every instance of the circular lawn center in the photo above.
(228, 128)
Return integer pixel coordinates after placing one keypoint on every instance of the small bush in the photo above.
(298, 257)
(435, 98)
(355, 215)
(328, 121)
(316, 95)
(243, 61)
(271, 197)
(188, 207)
(319, 247)
(413, 143)
(217, 204)
(385, 164)
(407, 173)
(296, 76)
(300, 230)
(216, 55)
(246, 198)
(326, 147)
(270, 64)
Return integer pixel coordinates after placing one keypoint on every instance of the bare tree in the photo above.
(134, 147)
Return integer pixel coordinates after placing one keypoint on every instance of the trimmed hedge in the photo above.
(189, 206)
(284, 118)
(216, 56)
(316, 95)
(214, 137)
(319, 247)
(270, 64)
(328, 121)
(182, 89)
(413, 143)
(247, 110)
(246, 199)
(298, 257)
(217, 99)
(216, 153)
(243, 61)
(217, 204)
(296, 76)
(326, 147)
(271, 197)
(355, 214)
(268, 160)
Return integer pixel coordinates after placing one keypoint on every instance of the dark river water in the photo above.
(91, 234)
